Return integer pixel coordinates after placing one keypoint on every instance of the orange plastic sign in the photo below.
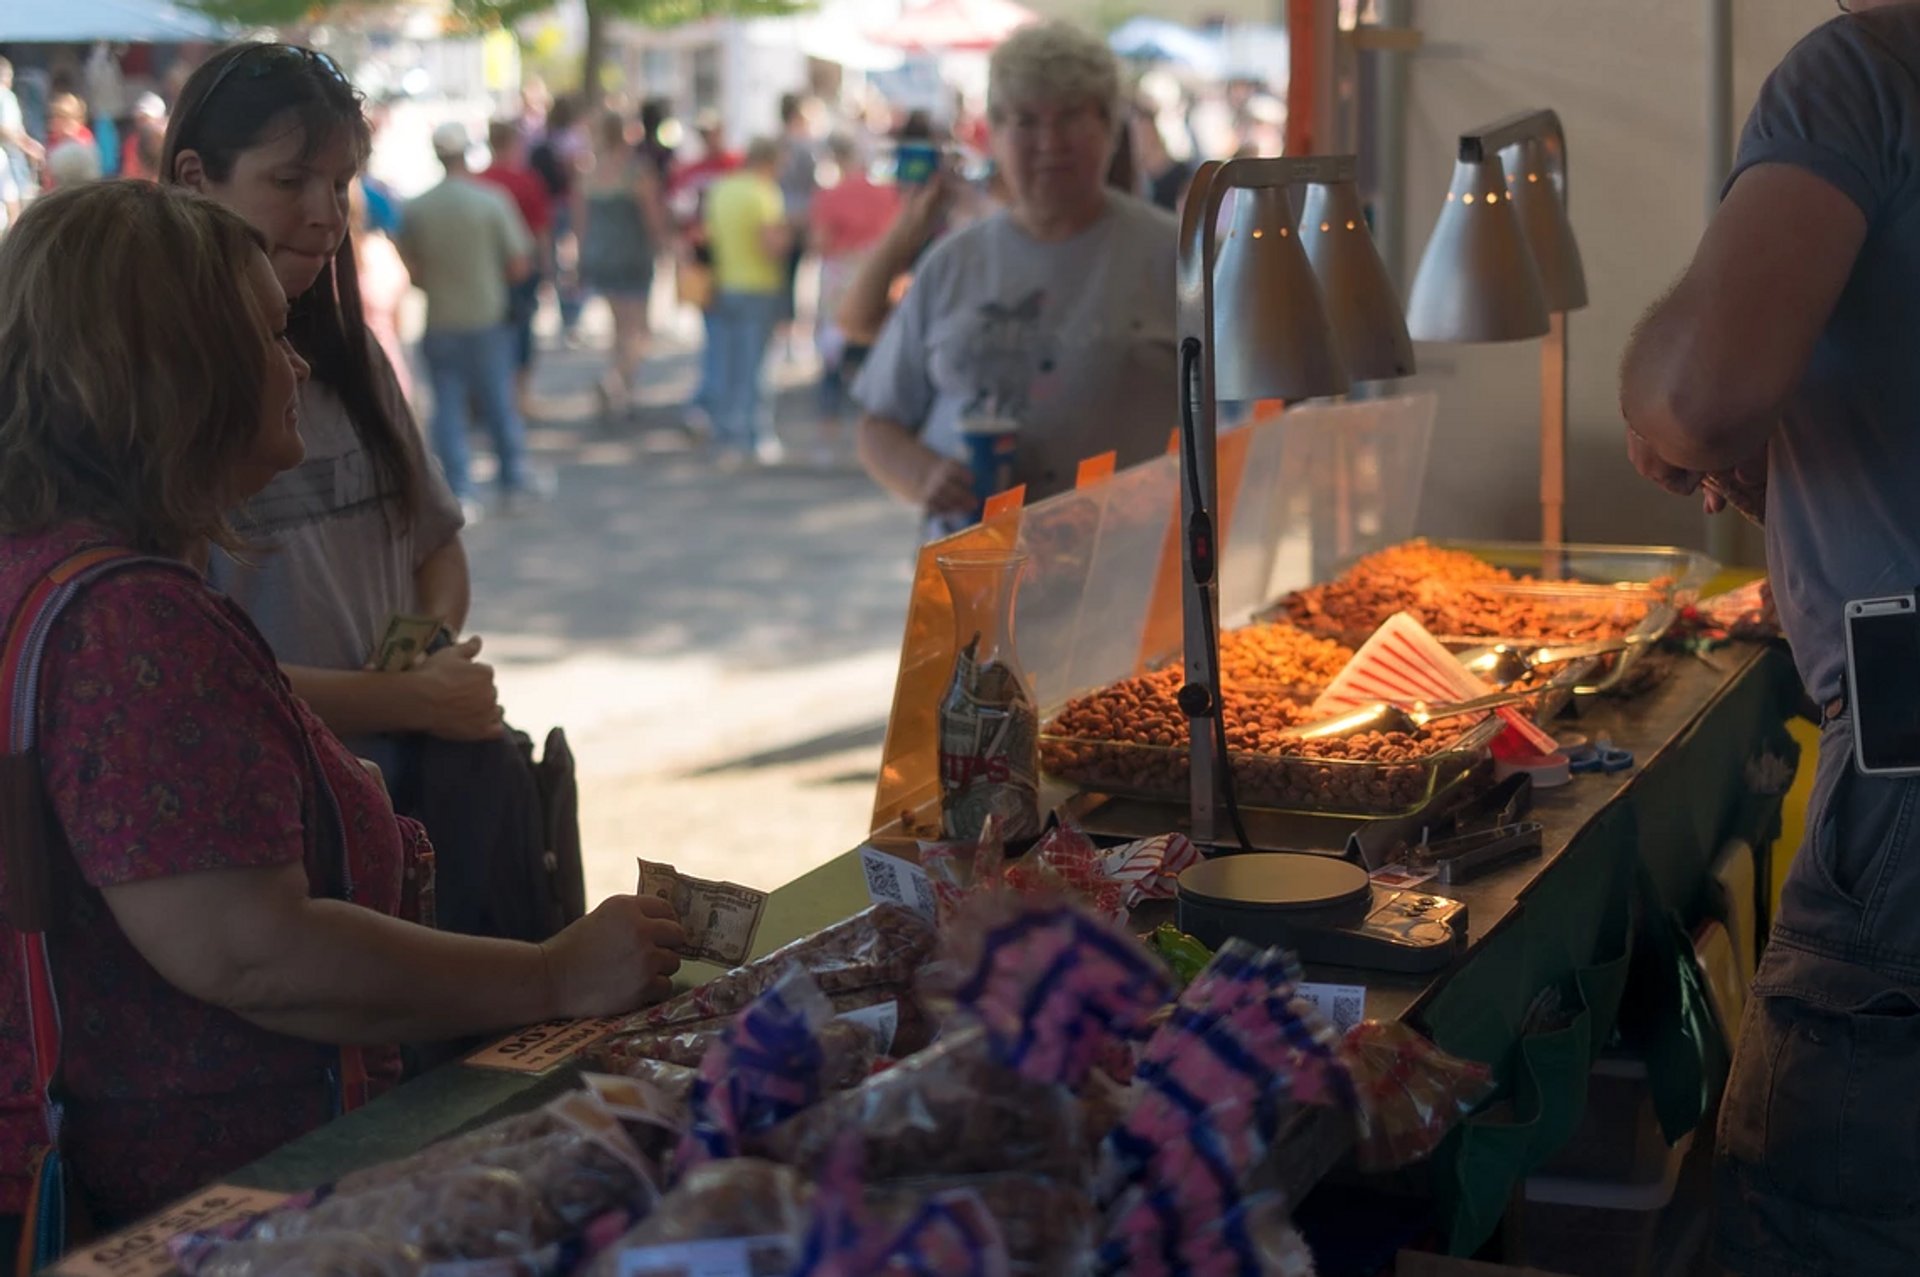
(1004, 502)
(1094, 469)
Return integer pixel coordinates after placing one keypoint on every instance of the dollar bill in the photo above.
(721, 918)
(404, 642)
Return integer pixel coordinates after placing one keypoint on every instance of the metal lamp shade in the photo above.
(1477, 280)
(1539, 198)
(1364, 309)
(1271, 335)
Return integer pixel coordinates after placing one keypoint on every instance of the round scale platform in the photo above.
(1267, 897)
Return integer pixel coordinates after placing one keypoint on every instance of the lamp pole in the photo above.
(1200, 698)
(1545, 128)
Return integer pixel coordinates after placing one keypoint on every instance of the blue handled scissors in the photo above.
(1598, 758)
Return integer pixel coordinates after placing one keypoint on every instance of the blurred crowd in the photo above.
(800, 245)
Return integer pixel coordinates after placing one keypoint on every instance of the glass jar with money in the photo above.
(989, 723)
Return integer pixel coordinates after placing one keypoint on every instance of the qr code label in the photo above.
(1345, 1005)
(896, 881)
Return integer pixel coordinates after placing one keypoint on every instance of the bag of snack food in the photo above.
(1411, 1093)
(1213, 1083)
(942, 1229)
(531, 1195)
(882, 946)
(1058, 990)
(766, 1066)
(759, 1207)
(953, 1109)
(1049, 1228)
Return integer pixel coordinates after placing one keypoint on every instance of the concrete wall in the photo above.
(1628, 78)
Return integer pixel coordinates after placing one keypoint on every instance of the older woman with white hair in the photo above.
(1053, 319)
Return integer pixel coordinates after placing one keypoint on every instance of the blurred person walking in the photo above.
(72, 163)
(623, 226)
(658, 135)
(687, 188)
(508, 170)
(1164, 179)
(19, 153)
(67, 122)
(147, 132)
(384, 285)
(750, 237)
(559, 158)
(466, 245)
(799, 179)
(849, 218)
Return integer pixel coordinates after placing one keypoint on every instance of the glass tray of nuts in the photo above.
(1129, 739)
(1514, 593)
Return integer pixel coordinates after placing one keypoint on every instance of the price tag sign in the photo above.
(141, 1251)
(891, 880)
(1345, 1005)
(542, 1047)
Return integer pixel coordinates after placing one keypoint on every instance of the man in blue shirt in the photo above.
(1785, 366)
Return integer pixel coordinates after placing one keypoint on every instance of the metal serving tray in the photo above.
(1638, 590)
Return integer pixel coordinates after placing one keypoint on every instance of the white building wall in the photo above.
(1628, 78)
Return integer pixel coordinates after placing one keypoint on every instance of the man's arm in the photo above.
(1712, 365)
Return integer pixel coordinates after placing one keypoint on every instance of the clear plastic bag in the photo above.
(1411, 1092)
(319, 1255)
(1048, 1228)
(882, 946)
(523, 1196)
(737, 1198)
(950, 1110)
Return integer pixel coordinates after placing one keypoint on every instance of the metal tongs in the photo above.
(1503, 664)
(1386, 718)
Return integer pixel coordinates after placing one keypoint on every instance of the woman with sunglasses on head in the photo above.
(366, 526)
(202, 942)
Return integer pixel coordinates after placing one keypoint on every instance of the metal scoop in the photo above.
(1504, 665)
(1387, 718)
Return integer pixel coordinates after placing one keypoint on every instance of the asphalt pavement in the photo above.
(719, 645)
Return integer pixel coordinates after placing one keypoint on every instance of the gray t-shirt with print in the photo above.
(1074, 341)
(1845, 462)
(324, 569)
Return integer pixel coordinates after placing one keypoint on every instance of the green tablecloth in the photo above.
(1623, 878)
(1609, 929)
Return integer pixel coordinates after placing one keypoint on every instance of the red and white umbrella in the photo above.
(954, 25)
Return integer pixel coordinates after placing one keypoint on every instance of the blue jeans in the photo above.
(739, 329)
(1818, 1160)
(475, 368)
(523, 304)
(566, 288)
(704, 395)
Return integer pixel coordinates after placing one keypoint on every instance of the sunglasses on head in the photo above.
(269, 59)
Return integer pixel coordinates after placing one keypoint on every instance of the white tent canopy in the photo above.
(83, 21)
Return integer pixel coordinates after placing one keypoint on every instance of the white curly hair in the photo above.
(1055, 62)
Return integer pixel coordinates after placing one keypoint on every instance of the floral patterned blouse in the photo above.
(170, 743)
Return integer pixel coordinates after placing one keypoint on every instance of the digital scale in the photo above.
(1324, 909)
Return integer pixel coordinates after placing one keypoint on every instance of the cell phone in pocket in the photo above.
(1883, 684)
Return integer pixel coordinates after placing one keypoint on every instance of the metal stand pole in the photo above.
(1553, 431)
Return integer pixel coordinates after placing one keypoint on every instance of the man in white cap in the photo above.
(465, 244)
